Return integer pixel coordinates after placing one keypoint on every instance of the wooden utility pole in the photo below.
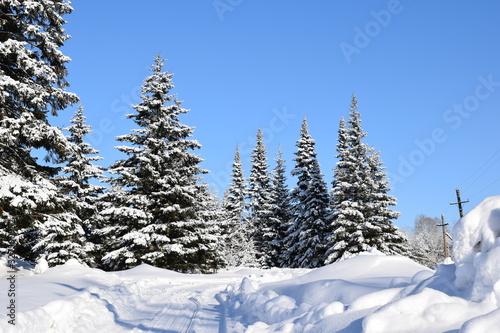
(459, 203)
(445, 243)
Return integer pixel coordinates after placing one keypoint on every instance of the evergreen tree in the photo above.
(121, 221)
(32, 85)
(234, 203)
(51, 230)
(157, 217)
(208, 232)
(361, 218)
(238, 245)
(238, 248)
(281, 211)
(76, 179)
(387, 237)
(32, 76)
(305, 241)
(346, 210)
(260, 199)
(60, 237)
(79, 169)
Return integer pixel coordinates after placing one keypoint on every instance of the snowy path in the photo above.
(74, 298)
(153, 300)
(170, 305)
(191, 309)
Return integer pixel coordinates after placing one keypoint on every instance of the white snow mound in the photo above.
(328, 299)
(476, 248)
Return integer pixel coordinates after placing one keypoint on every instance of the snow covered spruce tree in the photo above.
(156, 218)
(33, 85)
(209, 227)
(238, 245)
(76, 178)
(259, 194)
(387, 237)
(305, 241)
(120, 220)
(361, 217)
(281, 211)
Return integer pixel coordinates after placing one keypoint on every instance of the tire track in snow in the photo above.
(195, 312)
(182, 305)
(176, 314)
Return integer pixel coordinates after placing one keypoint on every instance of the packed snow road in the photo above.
(74, 298)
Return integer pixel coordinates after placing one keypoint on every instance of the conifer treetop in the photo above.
(361, 217)
(309, 225)
(33, 32)
(160, 178)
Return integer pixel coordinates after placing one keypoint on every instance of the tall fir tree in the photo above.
(235, 205)
(345, 212)
(388, 238)
(305, 241)
(238, 245)
(361, 217)
(32, 85)
(156, 220)
(260, 199)
(76, 180)
(281, 212)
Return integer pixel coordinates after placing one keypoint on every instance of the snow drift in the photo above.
(477, 252)
(328, 299)
(376, 293)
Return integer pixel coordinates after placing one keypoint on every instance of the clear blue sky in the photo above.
(426, 74)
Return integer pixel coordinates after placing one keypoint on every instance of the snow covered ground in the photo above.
(368, 293)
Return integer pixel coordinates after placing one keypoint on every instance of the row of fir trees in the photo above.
(155, 208)
(310, 226)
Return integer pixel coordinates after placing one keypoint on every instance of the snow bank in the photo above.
(476, 250)
(427, 311)
(375, 293)
(486, 323)
(81, 313)
(464, 295)
(327, 299)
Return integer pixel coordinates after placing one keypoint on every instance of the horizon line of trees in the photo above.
(157, 210)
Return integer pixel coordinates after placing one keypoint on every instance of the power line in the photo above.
(482, 166)
(489, 185)
(481, 174)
